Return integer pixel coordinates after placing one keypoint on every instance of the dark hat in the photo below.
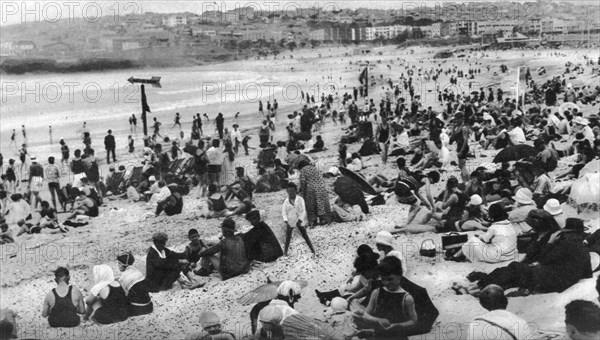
(126, 259)
(574, 224)
(540, 219)
(253, 214)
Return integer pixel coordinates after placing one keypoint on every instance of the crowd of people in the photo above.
(510, 209)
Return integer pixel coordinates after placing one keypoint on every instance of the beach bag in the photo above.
(427, 313)
(427, 248)
(452, 240)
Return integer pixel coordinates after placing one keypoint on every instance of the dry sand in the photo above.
(27, 265)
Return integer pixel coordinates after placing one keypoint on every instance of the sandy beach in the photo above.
(27, 265)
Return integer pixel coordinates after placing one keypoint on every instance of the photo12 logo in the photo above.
(230, 11)
(15, 12)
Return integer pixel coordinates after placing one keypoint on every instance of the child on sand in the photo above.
(340, 318)
(192, 251)
(391, 310)
(211, 325)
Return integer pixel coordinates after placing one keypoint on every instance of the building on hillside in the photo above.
(127, 44)
(7, 49)
(175, 20)
(515, 39)
(449, 28)
(318, 35)
(58, 48)
(24, 47)
(385, 32)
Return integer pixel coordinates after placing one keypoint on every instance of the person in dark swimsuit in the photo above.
(407, 192)
(391, 310)
(107, 302)
(454, 200)
(63, 304)
(132, 281)
(383, 137)
(460, 135)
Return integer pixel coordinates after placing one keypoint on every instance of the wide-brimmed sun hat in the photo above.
(384, 238)
(523, 196)
(553, 207)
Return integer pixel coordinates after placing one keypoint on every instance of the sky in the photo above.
(19, 11)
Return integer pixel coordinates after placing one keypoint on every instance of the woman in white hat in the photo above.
(581, 124)
(523, 205)
(553, 207)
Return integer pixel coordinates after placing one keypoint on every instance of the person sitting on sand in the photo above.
(340, 318)
(192, 249)
(269, 319)
(361, 283)
(582, 320)
(160, 196)
(172, 205)
(391, 310)
(6, 235)
(64, 302)
(523, 199)
(555, 262)
(134, 285)
(408, 191)
(498, 244)
(498, 321)
(232, 252)
(260, 242)
(288, 293)
(472, 218)
(107, 302)
(245, 200)
(84, 206)
(318, 146)
(215, 204)
(452, 207)
(8, 324)
(211, 329)
(244, 181)
(163, 266)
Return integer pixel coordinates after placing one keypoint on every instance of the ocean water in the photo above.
(40, 100)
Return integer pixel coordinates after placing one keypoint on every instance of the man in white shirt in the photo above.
(236, 138)
(516, 134)
(498, 322)
(215, 158)
(293, 212)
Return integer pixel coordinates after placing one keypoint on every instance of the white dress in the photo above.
(498, 244)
